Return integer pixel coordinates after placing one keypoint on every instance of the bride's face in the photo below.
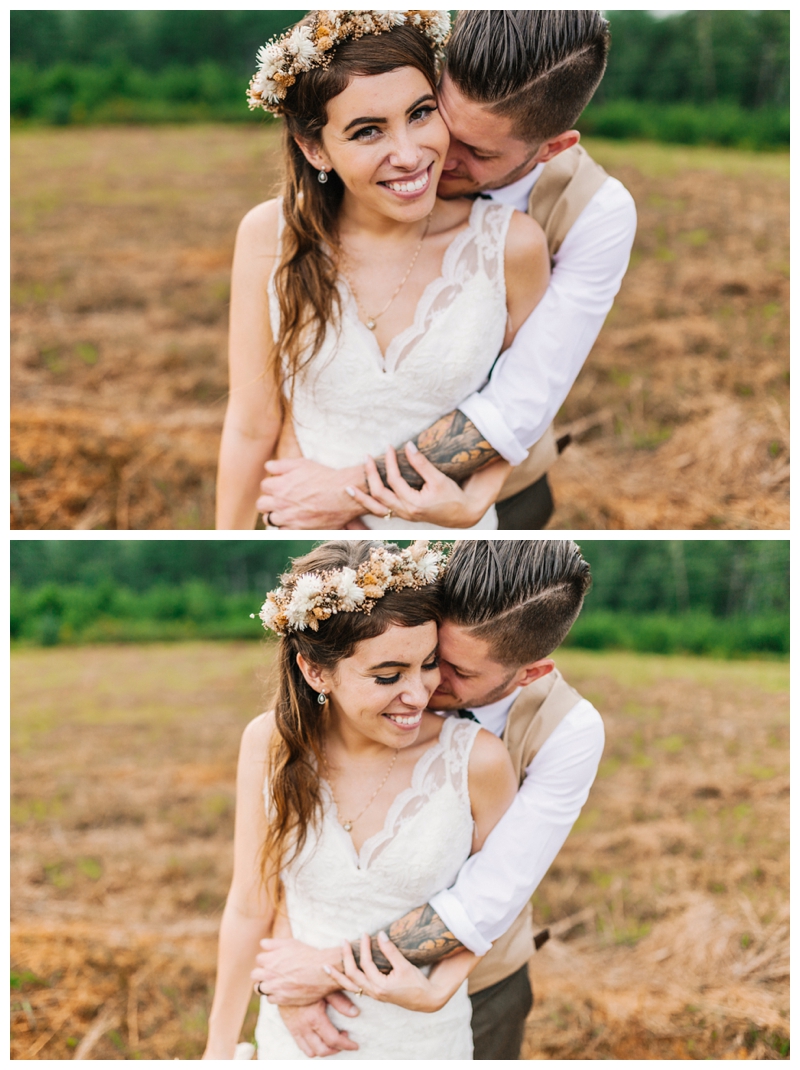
(387, 142)
(381, 691)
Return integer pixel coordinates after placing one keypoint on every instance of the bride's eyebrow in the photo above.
(389, 665)
(378, 119)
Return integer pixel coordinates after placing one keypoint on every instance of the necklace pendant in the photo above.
(371, 325)
(347, 826)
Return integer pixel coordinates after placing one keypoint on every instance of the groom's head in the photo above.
(513, 88)
(507, 605)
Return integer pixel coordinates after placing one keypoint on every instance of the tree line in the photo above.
(720, 76)
(720, 597)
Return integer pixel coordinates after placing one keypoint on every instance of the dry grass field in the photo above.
(121, 248)
(668, 905)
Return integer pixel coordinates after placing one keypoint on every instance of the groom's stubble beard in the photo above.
(466, 185)
(471, 700)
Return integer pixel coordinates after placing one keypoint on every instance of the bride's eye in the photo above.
(387, 679)
(365, 133)
(423, 112)
(431, 665)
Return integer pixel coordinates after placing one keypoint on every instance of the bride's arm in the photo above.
(253, 417)
(250, 908)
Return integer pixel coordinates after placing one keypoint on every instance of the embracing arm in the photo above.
(494, 885)
(421, 935)
(253, 416)
(454, 444)
(532, 378)
(250, 909)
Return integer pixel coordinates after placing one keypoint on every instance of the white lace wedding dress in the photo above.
(353, 400)
(332, 894)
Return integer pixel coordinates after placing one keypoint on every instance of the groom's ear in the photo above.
(535, 671)
(314, 153)
(554, 146)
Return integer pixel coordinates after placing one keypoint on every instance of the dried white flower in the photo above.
(301, 45)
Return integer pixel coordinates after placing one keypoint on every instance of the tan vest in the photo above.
(562, 191)
(536, 713)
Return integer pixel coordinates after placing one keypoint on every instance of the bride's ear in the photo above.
(314, 153)
(313, 675)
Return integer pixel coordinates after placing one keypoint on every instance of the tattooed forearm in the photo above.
(453, 444)
(422, 937)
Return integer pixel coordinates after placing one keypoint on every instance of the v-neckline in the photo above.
(396, 343)
(363, 853)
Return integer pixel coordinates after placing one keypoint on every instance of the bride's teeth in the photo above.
(412, 719)
(409, 187)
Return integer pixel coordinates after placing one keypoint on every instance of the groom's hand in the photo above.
(299, 493)
(291, 973)
(313, 1032)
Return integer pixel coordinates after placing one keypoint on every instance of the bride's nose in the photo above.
(404, 153)
(418, 691)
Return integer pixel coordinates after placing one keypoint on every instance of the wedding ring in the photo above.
(258, 989)
(388, 515)
(269, 523)
(360, 992)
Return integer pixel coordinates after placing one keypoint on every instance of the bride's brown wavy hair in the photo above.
(305, 279)
(295, 801)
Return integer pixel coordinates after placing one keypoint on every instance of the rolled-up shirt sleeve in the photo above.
(494, 885)
(531, 379)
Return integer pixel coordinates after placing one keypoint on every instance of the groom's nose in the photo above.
(455, 157)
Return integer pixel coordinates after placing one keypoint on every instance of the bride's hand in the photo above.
(405, 985)
(440, 501)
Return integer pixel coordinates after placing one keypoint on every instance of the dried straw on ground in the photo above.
(668, 903)
(122, 241)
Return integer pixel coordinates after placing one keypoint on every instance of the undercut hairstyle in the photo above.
(520, 596)
(538, 68)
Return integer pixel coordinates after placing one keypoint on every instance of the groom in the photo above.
(514, 86)
(508, 605)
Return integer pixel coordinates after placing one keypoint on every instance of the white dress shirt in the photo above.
(494, 885)
(531, 379)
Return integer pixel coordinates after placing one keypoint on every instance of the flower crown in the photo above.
(311, 44)
(303, 600)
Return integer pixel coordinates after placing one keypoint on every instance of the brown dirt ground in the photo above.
(121, 247)
(668, 905)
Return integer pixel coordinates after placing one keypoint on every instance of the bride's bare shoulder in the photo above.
(258, 231)
(257, 736)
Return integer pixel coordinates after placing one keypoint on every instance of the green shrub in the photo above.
(685, 633)
(688, 124)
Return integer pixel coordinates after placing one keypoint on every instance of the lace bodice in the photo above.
(334, 893)
(353, 400)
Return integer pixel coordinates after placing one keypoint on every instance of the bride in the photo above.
(363, 307)
(370, 804)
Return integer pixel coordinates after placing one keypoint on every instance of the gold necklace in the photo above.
(348, 823)
(371, 322)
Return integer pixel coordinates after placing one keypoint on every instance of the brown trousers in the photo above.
(529, 510)
(498, 1017)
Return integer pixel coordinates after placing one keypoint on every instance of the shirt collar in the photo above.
(495, 715)
(518, 192)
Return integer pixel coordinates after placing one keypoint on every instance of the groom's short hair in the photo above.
(538, 68)
(521, 596)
